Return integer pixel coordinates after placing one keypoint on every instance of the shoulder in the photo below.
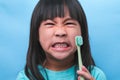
(22, 76)
(98, 74)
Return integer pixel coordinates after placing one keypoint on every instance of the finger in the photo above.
(78, 77)
(84, 74)
(85, 69)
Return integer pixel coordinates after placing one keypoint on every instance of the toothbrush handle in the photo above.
(79, 60)
(79, 57)
(81, 78)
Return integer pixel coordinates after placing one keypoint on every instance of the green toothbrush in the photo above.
(79, 42)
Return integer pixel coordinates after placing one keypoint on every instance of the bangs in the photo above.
(53, 9)
(57, 8)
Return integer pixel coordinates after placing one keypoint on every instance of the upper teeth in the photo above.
(60, 45)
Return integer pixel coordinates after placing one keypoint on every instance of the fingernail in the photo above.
(77, 71)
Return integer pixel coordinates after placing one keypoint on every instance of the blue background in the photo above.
(104, 27)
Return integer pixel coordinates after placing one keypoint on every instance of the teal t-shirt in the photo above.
(68, 74)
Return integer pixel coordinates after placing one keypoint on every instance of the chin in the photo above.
(64, 57)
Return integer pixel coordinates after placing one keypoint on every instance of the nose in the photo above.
(60, 32)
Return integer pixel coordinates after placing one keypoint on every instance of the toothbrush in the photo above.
(79, 42)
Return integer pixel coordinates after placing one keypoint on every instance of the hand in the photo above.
(85, 74)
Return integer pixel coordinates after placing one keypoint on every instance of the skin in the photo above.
(57, 38)
(85, 73)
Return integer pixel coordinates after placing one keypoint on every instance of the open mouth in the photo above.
(60, 45)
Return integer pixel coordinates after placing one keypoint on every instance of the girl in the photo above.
(52, 53)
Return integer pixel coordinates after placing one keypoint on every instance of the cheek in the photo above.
(43, 42)
(44, 37)
(73, 34)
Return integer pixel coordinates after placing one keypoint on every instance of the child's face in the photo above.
(57, 37)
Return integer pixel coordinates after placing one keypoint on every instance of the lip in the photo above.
(61, 49)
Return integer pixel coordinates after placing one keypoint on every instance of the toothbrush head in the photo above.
(78, 40)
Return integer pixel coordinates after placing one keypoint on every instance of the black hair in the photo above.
(49, 9)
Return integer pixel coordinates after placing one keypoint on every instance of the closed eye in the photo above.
(70, 24)
(49, 23)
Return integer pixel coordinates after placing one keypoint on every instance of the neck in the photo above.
(58, 65)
